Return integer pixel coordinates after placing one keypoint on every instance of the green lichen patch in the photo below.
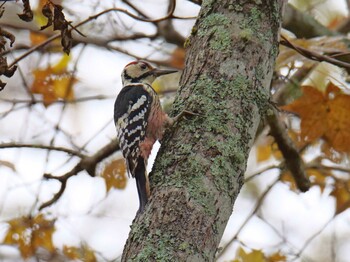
(216, 27)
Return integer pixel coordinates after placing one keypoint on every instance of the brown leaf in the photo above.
(324, 115)
(27, 14)
(66, 40)
(5, 70)
(47, 12)
(7, 35)
(114, 174)
(59, 21)
(177, 59)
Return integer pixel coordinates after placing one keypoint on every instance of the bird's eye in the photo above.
(143, 66)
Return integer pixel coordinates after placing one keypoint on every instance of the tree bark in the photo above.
(200, 167)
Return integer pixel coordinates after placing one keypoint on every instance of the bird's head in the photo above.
(142, 72)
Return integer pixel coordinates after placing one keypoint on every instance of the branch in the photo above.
(56, 36)
(256, 208)
(61, 149)
(87, 163)
(313, 55)
(303, 25)
(291, 155)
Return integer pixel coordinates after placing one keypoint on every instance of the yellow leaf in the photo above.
(42, 233)
(267, 148)
(324, 115)
(61, 66)
(114, 174)
(276, 257)
(82, 253)
(54, 82)
(253, 256)
(264, 150)
(29, 234)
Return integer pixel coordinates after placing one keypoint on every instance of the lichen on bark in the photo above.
(199, 169)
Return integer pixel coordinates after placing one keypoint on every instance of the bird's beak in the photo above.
(159, 72)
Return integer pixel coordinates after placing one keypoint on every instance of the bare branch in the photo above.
(290, 153)
(313, 55)
(56, 36)
(54, 148)
(256, 208)
(87, 163)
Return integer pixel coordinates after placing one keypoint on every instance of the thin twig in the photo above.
(313, 55)
(293, 160)
(54, 37)
(54, 148)
(87, 163)
(256, 208)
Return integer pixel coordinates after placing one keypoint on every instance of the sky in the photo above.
(87, 213)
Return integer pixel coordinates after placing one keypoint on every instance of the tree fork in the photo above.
(200, 167)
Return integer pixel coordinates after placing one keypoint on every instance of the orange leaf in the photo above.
(177, 59)
(342, 197)
(54, 83)
(288, 179)
(331, 154)
(115, 174)
(324, 116)
(317, 177)
(30, 234)
(37, 38)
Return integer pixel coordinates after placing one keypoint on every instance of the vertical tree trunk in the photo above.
(199, 170)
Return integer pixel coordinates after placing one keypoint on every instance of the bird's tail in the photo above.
(142, 183)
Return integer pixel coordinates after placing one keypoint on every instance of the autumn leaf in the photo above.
(329, 44)
(341, 193)
(177, 59)
(253, 256)
(114, 174)
(324, 115)
(54, 83)
(83, 253)
(316, 177)
(27, 14)
(267, 148)
(37, 38)
(288, 179)
(30, 234)
(276, 257)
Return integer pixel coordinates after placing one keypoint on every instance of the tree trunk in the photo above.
(200, 167)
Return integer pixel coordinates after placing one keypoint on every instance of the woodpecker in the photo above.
(140, 121)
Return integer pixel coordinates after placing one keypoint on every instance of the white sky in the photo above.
(86, 214)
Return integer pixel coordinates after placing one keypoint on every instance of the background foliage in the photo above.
(64, 194)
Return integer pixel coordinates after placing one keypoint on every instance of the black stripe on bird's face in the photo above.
(139, 78)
